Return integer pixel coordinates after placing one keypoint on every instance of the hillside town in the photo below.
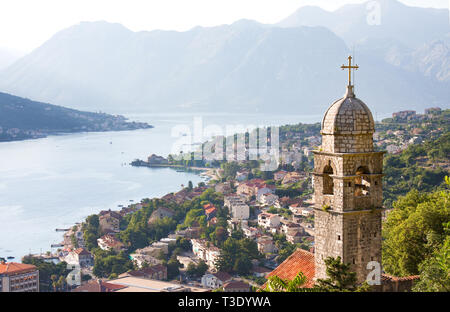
(229, 234)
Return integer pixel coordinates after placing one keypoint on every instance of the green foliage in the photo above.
(196, 270)
(230, 169)
(285, 248)
(85, 277)
(276, 284)
(260, 280)
(184, 244)
(340, 278)
(415, 168)
(46, 271)
(109, 262)
(236, 255)
(414, 230)
(435, 271)
(74, 241)
(91, 231)
(173, 268)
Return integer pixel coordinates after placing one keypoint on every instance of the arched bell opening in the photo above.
(362, 181)
(328, 184)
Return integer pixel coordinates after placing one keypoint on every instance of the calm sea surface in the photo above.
(54, 182)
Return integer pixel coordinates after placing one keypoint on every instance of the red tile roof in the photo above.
(14, 267)
(82, 251)
(98, 286)
(300, 261)
(236, 285)
(223, 276)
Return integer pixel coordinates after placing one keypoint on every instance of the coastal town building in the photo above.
(190, 232)
(210, 211)
(224, 188)
(236, 286)
(141, 259)
(215, 280)
(109, 221)
(292, 177)
(266, 245)
(18, 277)
(240, 211)
(138, 284)
(205, 251)
(268, 220)
(160, 213)
(79, 256)
(154, 251)
(291, 228)
(279, 175)
(268, 199)
(110, 242)
(406, 114)
(251, 232)
(231, 199)
(254, 187)
(237, 206)
(98, 286)
(295, 238)
(154, 272)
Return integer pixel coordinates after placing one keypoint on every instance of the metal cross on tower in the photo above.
(349, 67)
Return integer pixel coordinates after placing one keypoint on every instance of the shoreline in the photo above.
(44, 136)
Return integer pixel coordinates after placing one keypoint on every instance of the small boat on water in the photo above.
(10, 258)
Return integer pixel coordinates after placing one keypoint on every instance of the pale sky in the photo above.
(26, 24)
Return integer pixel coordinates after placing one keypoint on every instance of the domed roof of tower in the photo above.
(348, 115)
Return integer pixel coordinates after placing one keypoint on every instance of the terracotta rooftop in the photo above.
(223, 276)
(98, 286)
(82, 251)
(14, 267)
(300, 261)
(210, 210)
(111, 213)
(236, 284)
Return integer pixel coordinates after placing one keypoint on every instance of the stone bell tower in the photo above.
(347, 187)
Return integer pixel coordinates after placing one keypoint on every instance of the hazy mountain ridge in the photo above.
(416, 39)
(22, 118)
(390, 19)
(245, 66)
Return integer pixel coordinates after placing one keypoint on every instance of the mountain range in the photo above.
(291, 66)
